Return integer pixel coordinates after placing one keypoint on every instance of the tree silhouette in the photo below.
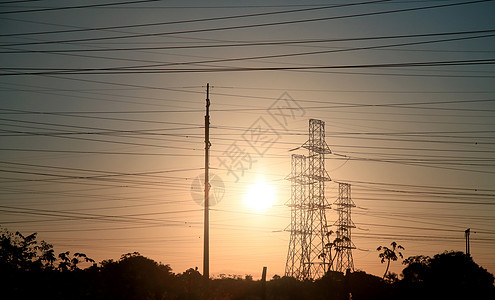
(20, 252)
(47, 256)
(191, 282)
(415, 272)
(368, 287)
(389, 254)
(17, 251)
(137, 277)
(31, 270)
(449, 275)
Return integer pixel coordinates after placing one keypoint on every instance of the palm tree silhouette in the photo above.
(389, 254)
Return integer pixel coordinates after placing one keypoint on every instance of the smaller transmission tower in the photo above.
(342, 244)
(298, 259)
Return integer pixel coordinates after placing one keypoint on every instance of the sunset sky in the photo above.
(102, 125)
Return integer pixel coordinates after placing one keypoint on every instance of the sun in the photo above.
(260, 196)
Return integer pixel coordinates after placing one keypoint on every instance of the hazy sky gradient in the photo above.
(102, 107)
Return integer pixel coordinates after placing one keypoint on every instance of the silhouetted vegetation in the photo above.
(31, 270)
(389, 254)
(449, 275)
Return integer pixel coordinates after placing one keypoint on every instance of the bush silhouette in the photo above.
(31, 270)
(449, 275)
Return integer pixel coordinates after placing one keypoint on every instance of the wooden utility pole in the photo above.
(206, 249)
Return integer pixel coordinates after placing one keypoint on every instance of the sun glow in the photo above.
(260, 196)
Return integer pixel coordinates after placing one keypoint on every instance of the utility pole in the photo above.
(263, 284)
(206, 248)
(467, 232)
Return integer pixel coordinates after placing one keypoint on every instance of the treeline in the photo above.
(31, 270)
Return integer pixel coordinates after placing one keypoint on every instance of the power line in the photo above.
(416, 164)
(414, 186)
(419, 228)
(193, 20)
(73, 7)
(153, 68)
(489, 61)
(279, 43)
(233, 6)
(86, 216)
(249, 25)
(335, 105)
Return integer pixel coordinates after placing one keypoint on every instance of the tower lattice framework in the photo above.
(297, 255)
(309, 231)
(343, 244)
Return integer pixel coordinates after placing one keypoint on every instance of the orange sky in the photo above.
(102, 109)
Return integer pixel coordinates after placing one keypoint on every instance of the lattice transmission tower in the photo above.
(309, 256)
(298, 259)
(343, 244)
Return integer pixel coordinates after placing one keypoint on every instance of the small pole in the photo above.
(263, 284)
(466, 234)
(206, 248)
